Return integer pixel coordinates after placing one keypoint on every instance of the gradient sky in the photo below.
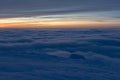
(59, 13)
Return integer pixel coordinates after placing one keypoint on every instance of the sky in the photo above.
(59, 13)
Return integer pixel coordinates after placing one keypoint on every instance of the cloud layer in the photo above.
(50, 54)
(63, 42)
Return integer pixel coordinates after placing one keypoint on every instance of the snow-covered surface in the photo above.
(47, 54)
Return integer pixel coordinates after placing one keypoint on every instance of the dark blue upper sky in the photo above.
(13, 8)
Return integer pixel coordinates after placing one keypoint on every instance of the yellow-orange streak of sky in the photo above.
(54, 24)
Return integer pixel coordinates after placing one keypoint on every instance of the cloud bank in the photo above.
(50, 54)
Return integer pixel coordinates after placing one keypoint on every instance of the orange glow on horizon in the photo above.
(7, 23)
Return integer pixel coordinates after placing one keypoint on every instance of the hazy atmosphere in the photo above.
(59, 39)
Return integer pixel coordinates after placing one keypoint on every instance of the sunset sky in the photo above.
(59, 13)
